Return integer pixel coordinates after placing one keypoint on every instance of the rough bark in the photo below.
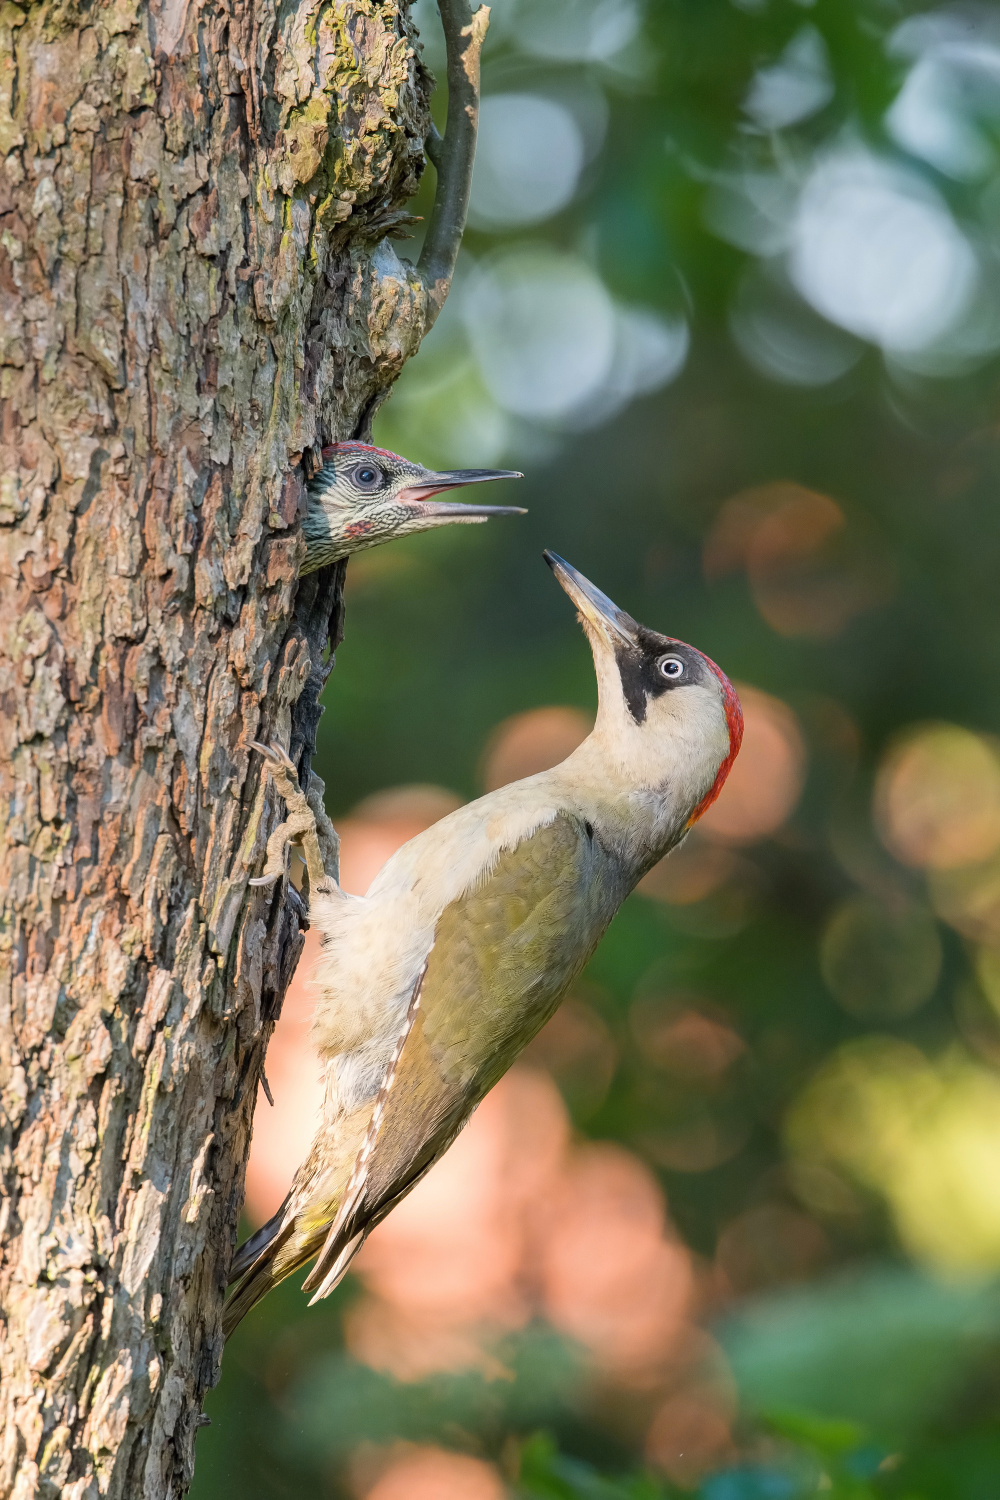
(196, 291)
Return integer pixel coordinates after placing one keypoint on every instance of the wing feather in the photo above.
(502, 958)
(332, 1253)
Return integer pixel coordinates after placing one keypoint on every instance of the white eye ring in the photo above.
(367, 476)
(670, 667)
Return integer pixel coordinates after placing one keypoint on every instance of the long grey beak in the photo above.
(418, 494)
(592, 604)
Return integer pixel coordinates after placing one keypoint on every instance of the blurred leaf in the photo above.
(547, 1474)
(880, 1350)
(827, 1437)
(338, 1403)
(826, 1458)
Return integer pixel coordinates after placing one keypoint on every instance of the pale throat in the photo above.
(672, 758)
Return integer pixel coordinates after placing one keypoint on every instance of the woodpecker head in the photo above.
(364, 496)
(668, 717)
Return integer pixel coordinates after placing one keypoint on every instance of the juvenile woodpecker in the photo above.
(363, 496)
(431, 984)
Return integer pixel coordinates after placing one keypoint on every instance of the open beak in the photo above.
(418, 495)
(592, 604)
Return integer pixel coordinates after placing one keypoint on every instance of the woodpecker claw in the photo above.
(274, 753)
(299, 826)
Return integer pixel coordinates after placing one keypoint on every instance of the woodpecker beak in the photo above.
(417, 495)
(612, 622)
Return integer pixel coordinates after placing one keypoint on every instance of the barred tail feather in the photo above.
(258, 1242)
(270, 1254)
(256, 1286)
(276, 1260)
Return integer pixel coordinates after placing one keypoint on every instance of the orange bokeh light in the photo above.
(767, 778)
(435, 1474)
(381, 824)
(770, 1245)
(810, 573)
(689, 1436)
(282, 1135)
(531, 742)
(937, 798)
(453, 1248)
(611, 1274)
(691, 873)
(579, 1052)
(682, 1040)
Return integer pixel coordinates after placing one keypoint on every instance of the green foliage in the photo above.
(885, 1348)
(338, 1403)
(546, 1474)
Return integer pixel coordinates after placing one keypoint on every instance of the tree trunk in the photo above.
(195, 293)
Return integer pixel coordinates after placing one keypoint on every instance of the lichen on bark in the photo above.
(196, 292)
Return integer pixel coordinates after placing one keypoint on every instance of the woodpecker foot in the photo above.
(299, 826)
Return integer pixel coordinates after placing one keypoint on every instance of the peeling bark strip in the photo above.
(195, 290)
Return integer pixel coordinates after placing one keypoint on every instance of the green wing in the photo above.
(503, 957)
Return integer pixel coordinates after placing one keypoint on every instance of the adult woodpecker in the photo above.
(363, 496)
(431, 984)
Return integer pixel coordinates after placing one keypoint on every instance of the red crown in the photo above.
(734, 723)
(353, 447)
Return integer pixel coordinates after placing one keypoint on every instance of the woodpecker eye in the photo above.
(367, 477)
(670, 667)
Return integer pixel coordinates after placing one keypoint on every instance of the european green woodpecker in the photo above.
(431, 984)
(364, 496)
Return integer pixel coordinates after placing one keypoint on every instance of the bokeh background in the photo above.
(731, 298)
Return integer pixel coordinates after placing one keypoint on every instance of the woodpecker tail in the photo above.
(247, 1253)
(266, 1258)
(257, 1285)
(297, 1232)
